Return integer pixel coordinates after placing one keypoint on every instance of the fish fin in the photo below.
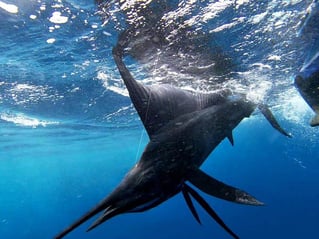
(159, 105)
(315, 121)
(191, 205)
(231, 138)
(209, 210)
(264, 109)
(139, 94)
(219, 189)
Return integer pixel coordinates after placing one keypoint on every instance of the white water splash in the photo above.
(258, 91)
(51, 40)
(209, 12)
(111, 84)
(229, 25)
(294, 108)
(10, 8)
(58, 18)
(24, 120)
(118, 112)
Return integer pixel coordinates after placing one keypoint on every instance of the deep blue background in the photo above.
(67, 138)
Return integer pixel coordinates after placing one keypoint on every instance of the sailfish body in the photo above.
(183, 129)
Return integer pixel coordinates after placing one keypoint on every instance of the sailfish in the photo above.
(183, 128)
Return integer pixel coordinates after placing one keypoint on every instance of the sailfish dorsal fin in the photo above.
(159, 104)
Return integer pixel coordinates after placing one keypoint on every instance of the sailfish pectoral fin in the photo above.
(219, 189)
(190, 205)
(231, 138)
(264, 109)
(209, 210)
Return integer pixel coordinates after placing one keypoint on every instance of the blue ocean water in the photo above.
(69, 133)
